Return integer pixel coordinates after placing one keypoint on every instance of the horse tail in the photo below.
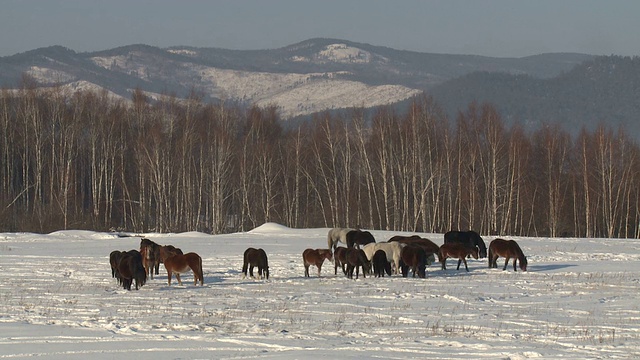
(490, 256)
(330, 242)
(201, 273)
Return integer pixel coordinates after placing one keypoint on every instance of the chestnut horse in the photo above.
(340, 259)
(258, 258)
(458, 251)
(169, 250)
(507, 249)
(469, 238)
(380, 264)
(179, 264)
(315, 257)
(356, 259)
(414, 257)
(130, 269)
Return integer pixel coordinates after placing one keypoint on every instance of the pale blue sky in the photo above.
(504, 28)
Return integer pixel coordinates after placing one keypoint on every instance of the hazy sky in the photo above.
(502, 28)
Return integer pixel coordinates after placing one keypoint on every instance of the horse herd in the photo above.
(398, 255)
(135, 266)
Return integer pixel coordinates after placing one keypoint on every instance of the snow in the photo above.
(578, 300)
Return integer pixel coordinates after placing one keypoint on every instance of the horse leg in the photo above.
(319, 268)
(460, 262)
(178, 277)
(169, 276)
(514, 264)
(505, 263)
(251, 271)
(306, 270)
(245, 265)
(443, 261)
(465, 264)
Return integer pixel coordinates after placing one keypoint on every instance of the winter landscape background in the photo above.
(577, 300)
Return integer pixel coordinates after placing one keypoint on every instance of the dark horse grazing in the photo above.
(429, 246)
(340, 259)
(130, 269)
(356, 259)
(315, 257)
(468, 238)
(380, 264)
(355, 238)
(414, 257)
(458, 251)
(507, 249)
(150, 252)
(258, 258)
(179, 264)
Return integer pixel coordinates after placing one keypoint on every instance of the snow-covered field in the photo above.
(580, 299)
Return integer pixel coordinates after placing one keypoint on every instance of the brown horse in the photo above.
(168, 251)
(429, 246)
(315, 257)
(468, 238)
(414, 257)
(507, 249)
(179, 264)
(258, 258)
(130, 269)
(150, 256)
(459, 251)
(380, 264)
(340, 259)
(356, 259)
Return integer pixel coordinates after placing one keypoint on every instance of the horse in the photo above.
(339, 259)
(181, 263)
(507, 249)
(355, 238)
(458, 251)
(392, 249)
(315, 257)
(114, 259)
(336, 235)
(150, 256)
(258, 258)
(469, 238)
(356, 258)
(167, 251)
(429, 246)
(380, 264)
(130, 269)
(414, 257)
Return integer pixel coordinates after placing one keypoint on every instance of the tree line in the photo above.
(85, 161)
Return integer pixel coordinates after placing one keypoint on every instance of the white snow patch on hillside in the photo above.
(341, 53)
(46, 76)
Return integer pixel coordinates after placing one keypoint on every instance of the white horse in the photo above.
(392, 249)
(336, 235)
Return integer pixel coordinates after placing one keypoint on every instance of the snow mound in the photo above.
(269, 227)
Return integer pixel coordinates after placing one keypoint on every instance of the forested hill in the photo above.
(604, 90)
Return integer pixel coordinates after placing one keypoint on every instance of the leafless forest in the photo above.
(88, 162)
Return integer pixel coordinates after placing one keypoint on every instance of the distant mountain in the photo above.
(604, 90)
(301, 79)
(316, 75)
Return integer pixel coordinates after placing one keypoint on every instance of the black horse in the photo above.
(355, 238)
(130, 270)
(380, 264)
(467, 238)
